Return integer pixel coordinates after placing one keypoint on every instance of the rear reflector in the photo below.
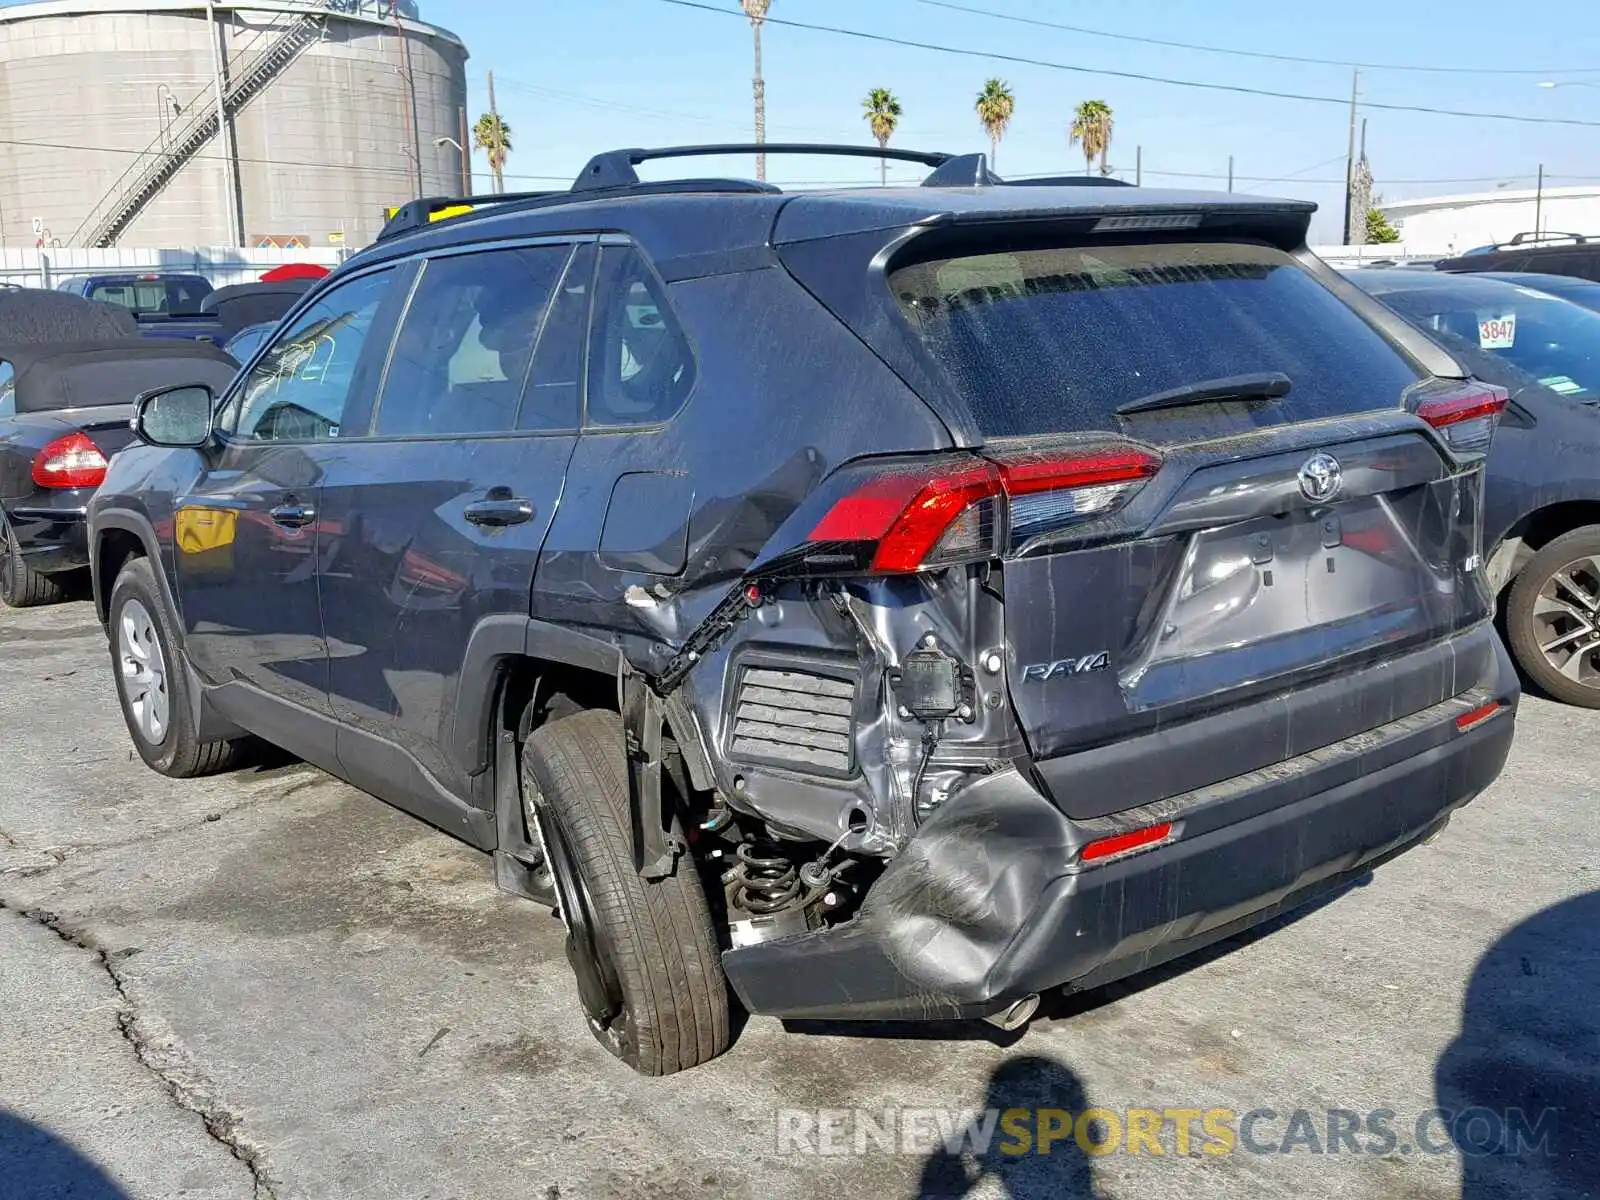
(916, 518)
(1122, 843)
(71, 461)
(1465, 416)
(1470, 720)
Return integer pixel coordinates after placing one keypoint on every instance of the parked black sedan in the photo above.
(1542, 508)
(64, 410)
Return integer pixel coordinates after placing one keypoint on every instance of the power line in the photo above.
(1290, 58)
(1238, 89)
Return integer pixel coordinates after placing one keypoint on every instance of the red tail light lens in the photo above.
(1125, 843)
(72, 461)
(1465, 416)
(925, 517)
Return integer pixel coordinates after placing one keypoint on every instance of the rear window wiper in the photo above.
(1267, 385)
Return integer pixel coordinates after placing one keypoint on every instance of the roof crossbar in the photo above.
(615, 168)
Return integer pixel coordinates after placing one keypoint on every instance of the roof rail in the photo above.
(615, 168)
(416, 213)
(613, 174)
(1531, 238)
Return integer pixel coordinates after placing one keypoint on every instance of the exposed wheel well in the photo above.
(115, 548)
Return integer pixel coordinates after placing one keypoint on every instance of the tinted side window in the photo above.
(299, 389)
(462, 356)
(552, 398)
(640, 368)
(1580, 266)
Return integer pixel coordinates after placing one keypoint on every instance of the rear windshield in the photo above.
(1055, 340)
(154, 297)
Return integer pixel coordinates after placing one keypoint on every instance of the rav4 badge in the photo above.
(1041, 672)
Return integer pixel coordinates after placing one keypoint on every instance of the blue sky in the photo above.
(575, 78)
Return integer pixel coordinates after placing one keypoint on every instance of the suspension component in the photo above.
(762, 883)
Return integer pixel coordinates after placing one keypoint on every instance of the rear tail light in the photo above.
(1477, 716)
(1125, 843)
(1466, 416)
(71, 461)
(912, 519)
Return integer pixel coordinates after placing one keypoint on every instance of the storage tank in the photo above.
(335, 110)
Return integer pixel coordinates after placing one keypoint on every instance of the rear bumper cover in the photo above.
(51, 539)
(987, 905)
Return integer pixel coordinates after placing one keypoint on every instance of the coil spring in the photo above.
(763, 883)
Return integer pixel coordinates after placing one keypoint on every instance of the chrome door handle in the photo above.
(499, 513)
(293, 515)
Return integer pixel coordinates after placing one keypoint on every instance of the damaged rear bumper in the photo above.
(988, 903)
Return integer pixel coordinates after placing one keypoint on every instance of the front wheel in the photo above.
(644, 951)
(151, 685)
(1553, 618)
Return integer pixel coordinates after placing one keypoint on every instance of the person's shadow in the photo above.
(35, 1164)
(1060, 1173)
(1520, 1085)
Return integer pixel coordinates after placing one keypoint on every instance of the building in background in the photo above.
(1445, 225)
(336, 109)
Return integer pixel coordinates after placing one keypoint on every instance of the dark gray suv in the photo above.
(889, 603)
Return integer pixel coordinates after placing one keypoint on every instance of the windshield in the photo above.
(1533, 338)
(1056, 340)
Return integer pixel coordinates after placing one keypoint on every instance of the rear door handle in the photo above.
(293, 515)
(499, 512)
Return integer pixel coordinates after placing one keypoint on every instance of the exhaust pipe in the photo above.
(1016, 1014)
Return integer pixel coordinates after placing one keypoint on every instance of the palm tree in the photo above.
(1091, 128)
(882, 114)
(995, 106)
(493, 136)
(756, 10)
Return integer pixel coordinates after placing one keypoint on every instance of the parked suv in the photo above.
(1546, 253)
(892, 603)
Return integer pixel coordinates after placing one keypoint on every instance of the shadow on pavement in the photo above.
(1062, 1172)
(1520, 1085)
(37, 1165)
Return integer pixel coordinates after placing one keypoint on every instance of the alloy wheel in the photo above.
(1566, 621)
(142, 673)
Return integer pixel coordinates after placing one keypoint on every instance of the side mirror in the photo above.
(175, 416)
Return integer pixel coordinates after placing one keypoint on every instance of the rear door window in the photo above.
(1055, 340)
(462, 356)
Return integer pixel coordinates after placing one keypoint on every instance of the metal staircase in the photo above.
(257, 63)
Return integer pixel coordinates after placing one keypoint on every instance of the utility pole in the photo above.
(1350, 159)
(494, 113)
(466, 153)
(1230, 172)
(413, 134)
(1538, 203)
(1138, 166)
(230, 158)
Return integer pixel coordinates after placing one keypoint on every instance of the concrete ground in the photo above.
(270, 984)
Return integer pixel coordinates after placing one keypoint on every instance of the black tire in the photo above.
(20, 585)
(1575, 621)
(172, 749)
(644, 951)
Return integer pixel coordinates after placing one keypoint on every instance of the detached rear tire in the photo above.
(1553, 618)
(20, 585)
(152, 686)
(644, 951)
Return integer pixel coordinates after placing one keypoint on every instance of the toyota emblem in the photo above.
(1321, 478)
